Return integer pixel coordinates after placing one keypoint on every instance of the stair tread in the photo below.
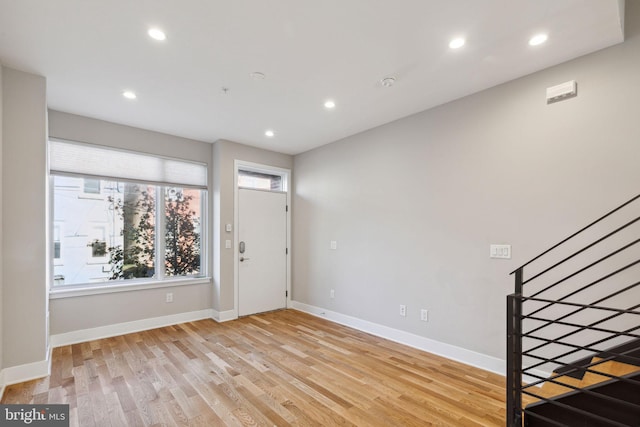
(581, 409)
(611, 367)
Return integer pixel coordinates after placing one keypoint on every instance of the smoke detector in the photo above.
(388, 81)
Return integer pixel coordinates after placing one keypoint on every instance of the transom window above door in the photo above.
(260, 181)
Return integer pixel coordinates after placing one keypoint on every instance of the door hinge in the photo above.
(286, 293)
(286, 208)
(286, 251)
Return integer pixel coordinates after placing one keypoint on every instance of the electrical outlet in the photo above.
(424, 315)
(403, 310)
(332, 294)
(169, 297)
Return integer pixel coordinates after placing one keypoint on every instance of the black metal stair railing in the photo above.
(573, 328)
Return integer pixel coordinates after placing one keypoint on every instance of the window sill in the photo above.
(85, 290)
(90, 196)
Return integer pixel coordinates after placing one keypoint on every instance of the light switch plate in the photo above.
(500, 251)
(333, 245)
(227, 244)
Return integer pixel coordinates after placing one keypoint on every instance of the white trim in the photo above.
(286, 177)
(224, 316)
(108, 331)
(285, 174)
(528, 379)
(82, 290)
(459, 354)
(27, 372)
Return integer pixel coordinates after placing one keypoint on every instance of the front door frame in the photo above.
(285, 174)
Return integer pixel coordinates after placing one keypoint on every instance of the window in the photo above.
(98, 248)
(91, 186)
(56, 243)
(259, 180)
(128, 230)
(98, 240)
(183, 231)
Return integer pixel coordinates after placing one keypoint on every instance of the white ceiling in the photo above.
(90, 51)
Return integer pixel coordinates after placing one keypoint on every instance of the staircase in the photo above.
(573, 328)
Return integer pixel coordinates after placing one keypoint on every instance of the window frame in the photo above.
(160, 280)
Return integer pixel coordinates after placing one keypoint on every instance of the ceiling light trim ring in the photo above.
(157, 34)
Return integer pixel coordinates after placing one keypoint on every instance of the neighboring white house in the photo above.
(96, 220)
(85, 225)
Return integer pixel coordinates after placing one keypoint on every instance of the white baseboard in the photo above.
(26, 372)
(30, 371)
(224, 316)
(2, 386)
(100, 332)
(528, 379)
(468, 357)
(21, 373)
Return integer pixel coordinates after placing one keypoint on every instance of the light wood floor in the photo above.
(275, 369)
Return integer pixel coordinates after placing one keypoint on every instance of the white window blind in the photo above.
(84, 159)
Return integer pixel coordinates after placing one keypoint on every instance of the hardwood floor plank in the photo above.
(124, 395)
(85, 411)
(275, 369)
(266, 411)
(114, 409)
(132, 419)
(98, 402)
(176, 412)
(76, 355)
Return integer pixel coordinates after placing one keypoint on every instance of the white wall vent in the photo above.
(562, 91)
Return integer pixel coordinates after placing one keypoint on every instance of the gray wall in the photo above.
(77, 313)
(224, 154)
(415, 204)
(24, 290)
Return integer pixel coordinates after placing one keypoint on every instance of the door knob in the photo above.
(243, 259)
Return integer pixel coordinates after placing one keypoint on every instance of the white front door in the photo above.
(262, 261)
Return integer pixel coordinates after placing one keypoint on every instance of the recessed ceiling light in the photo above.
(129, 94)
(538, 39)
(157, 34)
(457, 43)
(329, 104)
(257, 75)
(270, 133)
(388, 81)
